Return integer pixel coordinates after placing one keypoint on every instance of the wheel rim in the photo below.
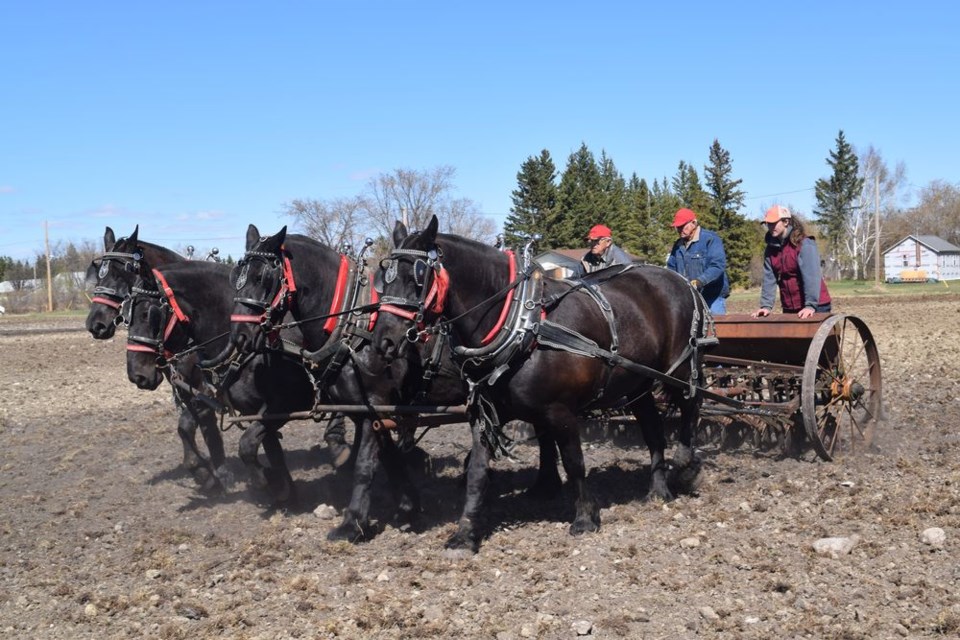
(841, 388)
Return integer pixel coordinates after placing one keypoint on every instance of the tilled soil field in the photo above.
(104, 536)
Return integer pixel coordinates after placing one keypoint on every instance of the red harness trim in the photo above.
(339, 294)
(178, 313)
(374, 299)
(142, 348)
(106, 301)
(506, 303)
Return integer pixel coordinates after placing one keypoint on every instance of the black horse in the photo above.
(531, 346)
(173, 329)
(317, 285)
(113, 274)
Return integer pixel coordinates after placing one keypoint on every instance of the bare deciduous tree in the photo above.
(414, 196)
(881, 186)
(333, 222)
(937, 214)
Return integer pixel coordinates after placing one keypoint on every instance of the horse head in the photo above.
(438, 282)
(174, 314)
(285, 274)
(262, 294)
(113, 274)
(146, 313)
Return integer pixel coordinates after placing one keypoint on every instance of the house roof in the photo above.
(934, 243)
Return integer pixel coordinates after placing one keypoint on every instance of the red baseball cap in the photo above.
(599, 231)
(683, 216)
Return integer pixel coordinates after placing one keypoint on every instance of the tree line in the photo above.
(859, 203)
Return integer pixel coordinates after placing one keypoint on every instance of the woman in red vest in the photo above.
(792, 263)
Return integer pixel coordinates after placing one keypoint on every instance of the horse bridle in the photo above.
(273, 310)
(155, 345)
(431, 281)
(109, 296)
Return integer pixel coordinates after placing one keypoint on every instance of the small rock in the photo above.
(325, 512)
(433, 613)
(707, 613)
(751, 620)
(934, 536)
(836, 547)
(90, 610)
(153, 574)
(690, 543)
(582, 627)
(745, 506)
(528, 630)
(383, 577)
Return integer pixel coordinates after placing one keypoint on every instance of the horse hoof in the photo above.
(460, 546)
(350, 532)
(580, 527)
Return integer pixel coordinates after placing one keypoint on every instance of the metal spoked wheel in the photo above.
(840, 397)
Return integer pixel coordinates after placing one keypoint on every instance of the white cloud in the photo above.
(6, 188)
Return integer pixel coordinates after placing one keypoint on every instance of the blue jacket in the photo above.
(703, 260)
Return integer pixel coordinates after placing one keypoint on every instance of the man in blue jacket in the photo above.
(699, 257)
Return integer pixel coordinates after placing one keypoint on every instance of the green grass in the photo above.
(861, 289)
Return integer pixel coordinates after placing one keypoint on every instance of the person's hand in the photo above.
(806, 312)
(695, 284)
(761, 312)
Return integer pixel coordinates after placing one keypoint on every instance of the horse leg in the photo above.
(395, 463)
(213, 439)
(278, 474)
(566, 432)
(335, 436)
(193, 460)
(548, 483)
(685, 457)
(651, 425)
(249, 449)
(467, 535)
(355, 524)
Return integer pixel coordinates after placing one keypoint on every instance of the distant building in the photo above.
(921, 259)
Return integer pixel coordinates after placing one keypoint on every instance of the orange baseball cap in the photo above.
(599, 231)
(776, 213)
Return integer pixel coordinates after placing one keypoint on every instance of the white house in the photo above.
(921, 259)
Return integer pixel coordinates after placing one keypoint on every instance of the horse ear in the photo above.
(109, 239)
(399, 233)
(253, 237)
(430, 233)
(133, 236)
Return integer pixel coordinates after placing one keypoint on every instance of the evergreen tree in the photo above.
(614, 204)
(644, 234)
(579, 203)
(534, 200)
(727, 196)
(690, 193)
(664, 205)
(838, 196)
(739, 238)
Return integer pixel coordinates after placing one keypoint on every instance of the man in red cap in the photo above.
(603, 253)
(791, 262)
(698, 256)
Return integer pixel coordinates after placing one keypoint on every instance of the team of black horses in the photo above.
(296, 326)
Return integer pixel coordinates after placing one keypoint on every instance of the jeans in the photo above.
(719, 306)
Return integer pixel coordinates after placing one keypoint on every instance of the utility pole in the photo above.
(876, 228)
(46, 246)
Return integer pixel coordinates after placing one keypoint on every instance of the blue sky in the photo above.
(194, 119)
